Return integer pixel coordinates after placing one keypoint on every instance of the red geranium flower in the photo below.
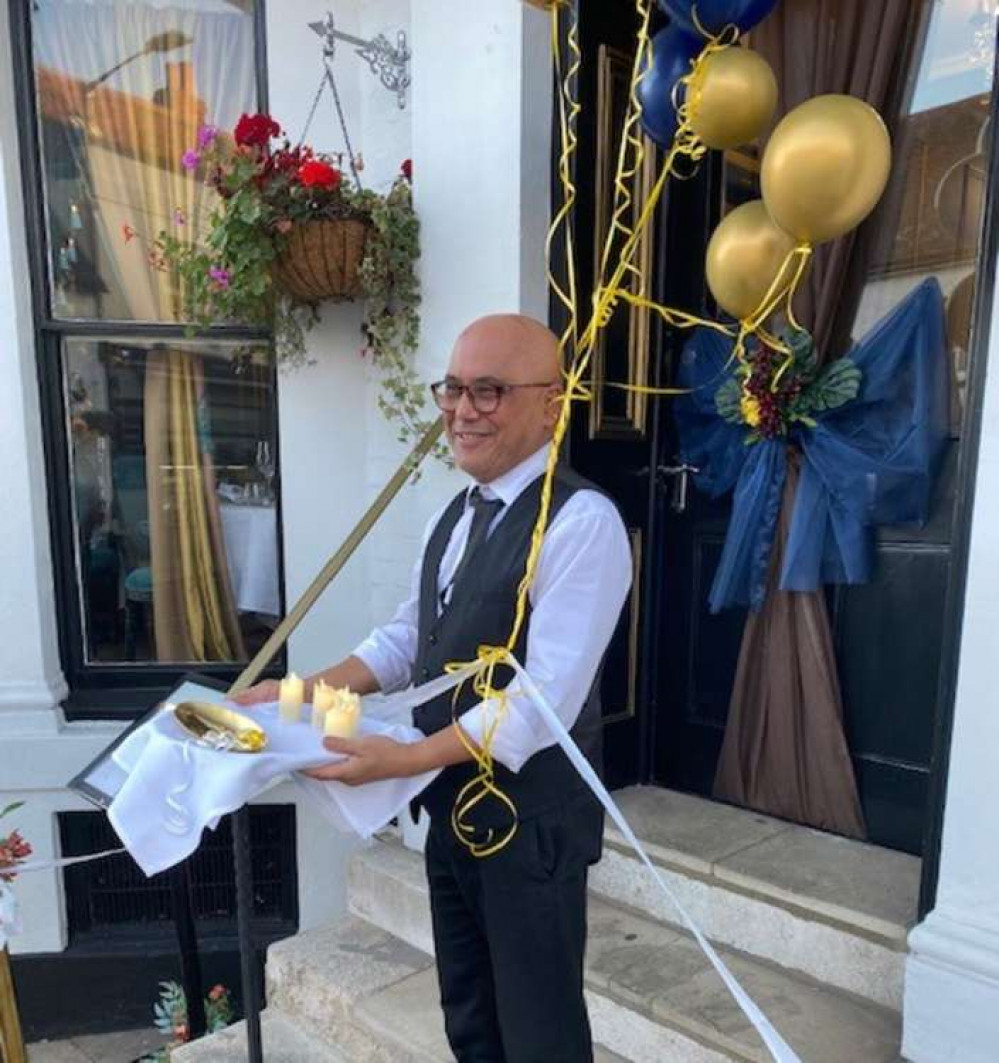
(256, 130)
(318, 174)
(407, 169)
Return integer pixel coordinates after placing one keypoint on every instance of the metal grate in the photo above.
(112, 897)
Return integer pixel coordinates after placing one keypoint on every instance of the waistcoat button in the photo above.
(432, 639)
(425, 674)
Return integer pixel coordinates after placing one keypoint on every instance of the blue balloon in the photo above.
(715, 15)
(672, 51)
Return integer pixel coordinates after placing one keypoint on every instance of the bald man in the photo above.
(510, 928)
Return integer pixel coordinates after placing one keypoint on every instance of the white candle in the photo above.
(292, 691)
(344, 715)
(323, 698)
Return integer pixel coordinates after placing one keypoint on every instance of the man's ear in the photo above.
(553, 406)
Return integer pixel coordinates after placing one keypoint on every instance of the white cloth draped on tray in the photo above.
(177, 787)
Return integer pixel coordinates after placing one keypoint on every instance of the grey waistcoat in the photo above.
(481, 611)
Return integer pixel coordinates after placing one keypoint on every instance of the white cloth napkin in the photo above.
(176, 787)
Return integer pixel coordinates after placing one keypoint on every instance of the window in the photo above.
(162, 441)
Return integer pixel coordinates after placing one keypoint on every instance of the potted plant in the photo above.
(290, 230)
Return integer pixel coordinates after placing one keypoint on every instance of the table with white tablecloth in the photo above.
(251, 547)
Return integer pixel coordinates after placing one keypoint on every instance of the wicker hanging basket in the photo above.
(322, 260)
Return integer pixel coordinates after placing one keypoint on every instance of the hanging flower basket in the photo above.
(288, 231)
(322, 260)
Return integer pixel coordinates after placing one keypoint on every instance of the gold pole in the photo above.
(11, 1040)
(332, 567)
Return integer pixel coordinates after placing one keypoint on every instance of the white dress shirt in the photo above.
(583, 577)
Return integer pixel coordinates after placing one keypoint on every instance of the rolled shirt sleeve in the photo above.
(583, 578)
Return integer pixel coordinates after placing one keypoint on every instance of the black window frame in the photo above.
(118, 690)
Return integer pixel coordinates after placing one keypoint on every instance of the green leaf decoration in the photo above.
(728, 400)
(13, 807)
(838, 385)
(803, 350)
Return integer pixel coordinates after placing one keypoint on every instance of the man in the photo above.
(509, 928)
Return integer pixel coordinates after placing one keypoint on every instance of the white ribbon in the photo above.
(67, 861)
(779, 1048)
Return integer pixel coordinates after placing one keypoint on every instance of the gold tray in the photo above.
(206, 722)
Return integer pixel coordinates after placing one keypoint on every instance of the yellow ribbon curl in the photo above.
(626, 282)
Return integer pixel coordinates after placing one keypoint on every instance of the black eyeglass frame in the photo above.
(436, 389)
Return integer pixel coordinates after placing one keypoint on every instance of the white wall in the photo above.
(952, 977)
(475, 127)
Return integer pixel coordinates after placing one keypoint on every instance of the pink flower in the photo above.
(178, 217)
(220, 276)
(128, 233)
(407, 169)
(190, 159)
(206, 134)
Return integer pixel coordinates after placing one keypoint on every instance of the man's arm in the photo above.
(583, 579)
(374, 757)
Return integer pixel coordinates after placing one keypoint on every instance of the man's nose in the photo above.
(465, 410)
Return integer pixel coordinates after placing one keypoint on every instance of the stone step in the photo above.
(283, 1041)
(834, 909)
(652, 994)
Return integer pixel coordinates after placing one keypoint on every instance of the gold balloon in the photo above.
(733, 98)
(825, 167)
(745, 255)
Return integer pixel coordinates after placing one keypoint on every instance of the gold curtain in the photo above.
(195, 616)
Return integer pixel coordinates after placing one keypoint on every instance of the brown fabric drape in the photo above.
(784, 750)
(821, 46)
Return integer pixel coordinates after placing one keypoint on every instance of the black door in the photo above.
(611, 440)
(669, 678)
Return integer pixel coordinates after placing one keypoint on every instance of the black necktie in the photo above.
(483, 512)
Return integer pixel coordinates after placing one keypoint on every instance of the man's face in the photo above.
(487, 445)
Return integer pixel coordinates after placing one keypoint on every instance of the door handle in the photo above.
(678, 478)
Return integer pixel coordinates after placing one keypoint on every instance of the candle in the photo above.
(344, 715)
(292, 691)
(323, 698)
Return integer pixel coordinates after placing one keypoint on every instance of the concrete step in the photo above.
(349, 993)
(652, 994)
(283, 1041)
(834, 909)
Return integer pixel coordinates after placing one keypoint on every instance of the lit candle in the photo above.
(344, 715)
(292, 691)
(323, 698)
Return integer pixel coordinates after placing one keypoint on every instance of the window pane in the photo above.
(123, 88)
(930, 220)
(174, 498)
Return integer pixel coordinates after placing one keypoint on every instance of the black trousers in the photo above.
(510, 934)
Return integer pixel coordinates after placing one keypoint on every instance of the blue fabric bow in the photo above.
(868, 462)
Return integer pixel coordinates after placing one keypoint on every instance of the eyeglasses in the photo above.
(484, 397)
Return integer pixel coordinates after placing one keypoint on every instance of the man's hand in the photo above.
(368, 759)
(266, 690)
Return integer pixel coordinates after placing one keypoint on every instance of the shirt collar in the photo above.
(508, 486)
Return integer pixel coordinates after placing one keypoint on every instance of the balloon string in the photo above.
(568, 110)
(686, 145)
